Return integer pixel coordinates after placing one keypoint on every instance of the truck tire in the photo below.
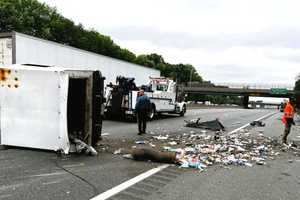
(151, 113)
(181, 114)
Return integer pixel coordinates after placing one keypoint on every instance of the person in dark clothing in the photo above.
(142, 108)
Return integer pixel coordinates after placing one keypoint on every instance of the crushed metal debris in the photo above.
(258, 123)
(214, 125)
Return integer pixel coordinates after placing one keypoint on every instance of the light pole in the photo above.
(191, 74)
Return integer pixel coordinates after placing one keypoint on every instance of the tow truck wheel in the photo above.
(183, 111)
(151, 113)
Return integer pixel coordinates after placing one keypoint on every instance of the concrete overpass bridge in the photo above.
(260, 104)
(245, 90)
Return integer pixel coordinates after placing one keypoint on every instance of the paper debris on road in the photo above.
(200, 151)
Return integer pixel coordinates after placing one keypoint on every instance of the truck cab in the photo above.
(161, 91)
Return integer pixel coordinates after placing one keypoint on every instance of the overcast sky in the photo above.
(249, 41)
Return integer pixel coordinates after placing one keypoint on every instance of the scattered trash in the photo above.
(105, 134)
(260, 162)
(140, 142)
(172, 143)
(160, 137)
(214, 125)
(199, 151)
(119, 151)
(236, 123)
(258, 123)
(152, 145)
(81, 147)
(128, 156)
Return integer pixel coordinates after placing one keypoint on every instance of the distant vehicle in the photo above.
(282, 106)
(121, 98)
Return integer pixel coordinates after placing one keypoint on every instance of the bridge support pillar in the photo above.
(246, 101)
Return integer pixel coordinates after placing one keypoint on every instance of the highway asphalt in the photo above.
(35, 174)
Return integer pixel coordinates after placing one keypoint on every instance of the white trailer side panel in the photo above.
(30, 50)
(32, 107)
(5, 51)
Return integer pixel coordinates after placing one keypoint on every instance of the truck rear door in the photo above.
(5, 51)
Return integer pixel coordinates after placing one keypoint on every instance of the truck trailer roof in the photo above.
(18, 48)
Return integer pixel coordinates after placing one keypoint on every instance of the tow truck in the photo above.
(121, 98)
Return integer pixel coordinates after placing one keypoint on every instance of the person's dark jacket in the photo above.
(142, 103)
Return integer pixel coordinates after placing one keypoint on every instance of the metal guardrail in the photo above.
(256, 85)
(243, 85)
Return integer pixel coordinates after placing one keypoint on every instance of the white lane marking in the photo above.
(74, 165)
(246, 125)
(50, 183)
(119, 188)
(48, 174)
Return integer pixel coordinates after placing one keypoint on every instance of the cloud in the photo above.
(226, 40)
(275, 37)
(259, 75)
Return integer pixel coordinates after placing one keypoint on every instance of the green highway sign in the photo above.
(279, 91)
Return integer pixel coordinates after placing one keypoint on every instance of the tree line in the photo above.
(40, 20)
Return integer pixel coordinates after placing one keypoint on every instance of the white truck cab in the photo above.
(161, 91)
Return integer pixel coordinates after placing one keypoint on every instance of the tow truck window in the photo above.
(163, 88)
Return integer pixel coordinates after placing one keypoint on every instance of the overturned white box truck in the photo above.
(49, 107)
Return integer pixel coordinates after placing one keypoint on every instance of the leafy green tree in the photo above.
(143, 60)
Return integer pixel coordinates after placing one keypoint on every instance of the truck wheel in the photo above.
(183, 111)
(151, 113)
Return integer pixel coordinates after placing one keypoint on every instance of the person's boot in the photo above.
(284, 141)
(284, 138)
